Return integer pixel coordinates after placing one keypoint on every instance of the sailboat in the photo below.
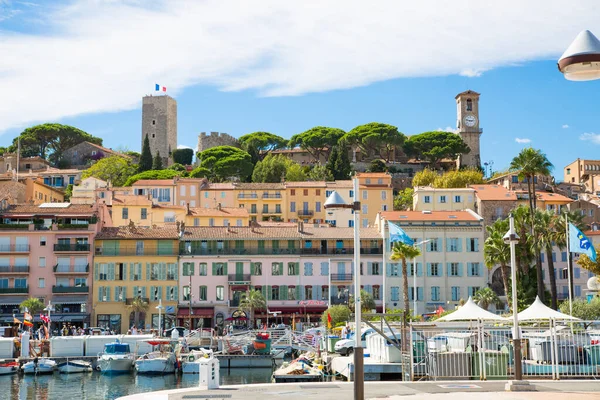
(161, 360)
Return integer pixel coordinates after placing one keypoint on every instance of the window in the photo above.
(325, 293)
(474, 269)
(376, 293)
(276, 269)
(185, 293)
(42, 262)
(442, 199)
(21, 282)
(350, 193)
(433, 245)
(426, 199)
(395, 295)
(293, 268)
(455, 293)
(256, 268)
(308, 292)
(154, 272)
(3, 283)
(291, 294)
(103, 272)
(434, 269)
(564, 274)
(473, 245)
(172, 272)
(472, 290)
(220, 293)
(306, 192)
(365, 209)
(469, 105)
(383, 195)
(457, 199)
(265, 208)
(119, 269)
(169, 216)
(211, 221)
(375, 268)
(454, 269)
(144, 213)
(324, 268)
(41, 283)
(563, 256)
(318, 192)
(435, 293)
(136, 272)
(328, 193)
(103, 293)
(80, 282)
(515, 179)
(292, 192)
(308, 270)
(365, 195)
(182, 190)
(219, 269)
(292, 206)
(453, 244)
(125, 213)
(203, 295)
(318, 206)
(42, 240)
(275, 293)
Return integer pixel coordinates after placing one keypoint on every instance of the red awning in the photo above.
(197, 312)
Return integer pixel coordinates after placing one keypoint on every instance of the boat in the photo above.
(39, 366)
(161, 360)
(8, 367)
(117, 358)
(190, 362)
(306, 368)
(74, 366)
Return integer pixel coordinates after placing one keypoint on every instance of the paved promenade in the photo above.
(465, 390)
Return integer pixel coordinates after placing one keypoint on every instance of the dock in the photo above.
(245, 361)
(374, 371)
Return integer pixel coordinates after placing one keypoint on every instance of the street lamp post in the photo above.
(336, 201)
(581, 60)
(49, 309)
(159, 307)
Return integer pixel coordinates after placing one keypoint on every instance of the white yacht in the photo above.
(161, 360)
(117, 358)
(190, 362)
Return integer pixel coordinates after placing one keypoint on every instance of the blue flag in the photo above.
(579, 243)
(397, 234)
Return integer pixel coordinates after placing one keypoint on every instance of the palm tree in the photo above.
(497, 252)
(530, 163)
(485, 297)
(252, 300)
(33, 305)
(401, 252)
(138, 306)
(545, 225)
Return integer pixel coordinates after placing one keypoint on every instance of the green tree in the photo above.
(404, 200)
(496, 251)
(138, 306)
(252, 300)
(343, 168)
(339, 313)
(162, 174)
(366, 300)
(260, 144)
(485, 296)
(436, 146)
(459, 179)
(33, 305)
(402, 252)
(157, 163)
(295, 173)
(376, 139)
(113, 169)
(377, 166)
(133, 154)
(177, 167)
(317, 141)
(561, 238)
(225, 162)
(50, 140)
(545, 227)
(320, 173)
(200, 172)
(424, 178)
(182, 156)
(582, 309)
(271, 169)
(146, 156)
(68, 192)
(529, 163)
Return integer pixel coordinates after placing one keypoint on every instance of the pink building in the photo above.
(299, 270)
(46, 252)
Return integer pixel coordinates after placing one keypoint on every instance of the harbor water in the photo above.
(94, 386)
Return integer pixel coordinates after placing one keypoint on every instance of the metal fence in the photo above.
(481, 351)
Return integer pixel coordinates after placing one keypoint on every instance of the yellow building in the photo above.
(545, 201)
(217, 193)
(305, 201)
(161, 191)
(37, 192)
(376, 194)
(220, 216)
(263, 201)
(143, 212)
(135, 262)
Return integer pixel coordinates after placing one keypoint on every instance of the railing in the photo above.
(336, 300)
(234, 303)
(71, 268)
(271, 196)
(42, 227)
(272, 212)
(305, 213)
(185, 250)
(129, 300)
(73, 226)
(15, 269)
(253, 210)
(14, 290)
(14, 248)
(247, 196)
(14, 226)
(341, 277)
(239, 277)
(70, 289)
(101, 251)
(72, 247)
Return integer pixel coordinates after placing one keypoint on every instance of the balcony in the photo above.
(62, 227)
(336, 300)
(253, 211)
(71, 269)
(271, 196)
(14, 290)
(70, 289)
(341, 277)
(133, 251)
(22, 227)
(272, 212)
(72, 248)
(247, 196)
(305, 213)
(129, 300)
(238, 278)
(14, 248)
(200, 251)
(14, 269)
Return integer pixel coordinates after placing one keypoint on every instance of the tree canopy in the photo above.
(115, 169)
(582, 309)
(338, 163)
(225, 162)
(33, 305)
(260, 144)
(271, 169)
(320, 173)
(317, 141)
(377, 166)
(152, 174)
(49, 141)
(449, 179)
(182, 156)
(404, 200)
(157, 163)
(376, 139)
(295, 173)
(435, 146)
(339, 314)
(146, 156)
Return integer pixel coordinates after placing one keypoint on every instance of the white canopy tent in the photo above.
(539, 311)
(471, 312)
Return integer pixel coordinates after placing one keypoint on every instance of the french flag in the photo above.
(158, 88)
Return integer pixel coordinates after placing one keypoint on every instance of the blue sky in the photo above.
(289, 73)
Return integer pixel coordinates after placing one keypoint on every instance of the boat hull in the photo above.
(8, 369)
(42, 367)
(155, 366)
(74, 367)
(115, 365)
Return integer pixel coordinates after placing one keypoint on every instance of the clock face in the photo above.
(470, 121)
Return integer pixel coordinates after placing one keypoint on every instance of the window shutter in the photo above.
(131, 266)
(459, 244)
(476, 244)
(576, 273)
(263, 290)
(117, 290)
(147, 271)
(419, 269)
(214, 269)
(283, 292)
(135, 292)
(369, 268)
(369, 289)
(333, 291)
(460, 268)
(480, 269)
(160, 289)
(429, 269)
(448, 241)
(175, 293)
(124, 277)
(151, 293)
(299, 293)
(100, 290)
(162, 271)
(469, 269)
(111, 271)
(467, 244)
(144, 292)
(324, 268)
(108, 293)
(280, 271)
(225, 269)
(316, 294)
(448, 269)
(269, 292)
(439, 244)
(96, 272)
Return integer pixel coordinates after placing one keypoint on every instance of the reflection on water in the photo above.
(94, 386)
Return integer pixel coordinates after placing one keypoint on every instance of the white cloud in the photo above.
(448, 129)
(590, 137)
(565, 126)
(88, 56)
(522, 140)
(183, 146)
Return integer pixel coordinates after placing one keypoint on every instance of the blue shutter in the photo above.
(111, 271)
(469, 269)
(428, 269)
(480, 269)
(419, 294)
(448, 241)
(460, 268)
(439, 244)
(476, 244)
(554, 256)
(448, 269)
(369, 289)
(99, 293)
(160, 289)
(96, 272)
(369, 268)
(419, 269)
(576, 273)
(147, 271)
(316, 294)
(459, 244)
(388, 269)
(108, 293)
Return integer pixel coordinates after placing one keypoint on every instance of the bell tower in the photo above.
(467, 123)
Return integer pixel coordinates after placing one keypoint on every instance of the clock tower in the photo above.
(467, 123)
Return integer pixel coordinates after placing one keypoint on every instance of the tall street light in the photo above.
(581, 60)
(159, 307)
(335, 201)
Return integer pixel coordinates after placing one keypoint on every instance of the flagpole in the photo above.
(384, 264)
(569, 265)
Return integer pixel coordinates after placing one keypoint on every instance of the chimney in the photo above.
(219, 206)
(188, 207)
(228, 230)
(300, 226)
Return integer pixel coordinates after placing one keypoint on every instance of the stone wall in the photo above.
(491, 210)
(159, 122)
(215, 139)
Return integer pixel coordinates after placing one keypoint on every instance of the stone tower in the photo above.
(159, 122)
(467, 123)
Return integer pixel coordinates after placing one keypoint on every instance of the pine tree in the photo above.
(157, 164)
(331, 162)
(146, 157)
(342, 164)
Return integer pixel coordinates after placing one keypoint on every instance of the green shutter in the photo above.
(124, 288)
(147, 271)
(224, 268)
(214, 269)
(96, 272)
(263, 290)
(299, 292)
(280, 268)
(99, 293)
(144, 292)
(269, 292)
(160, 293)
(175, 293)
(283, 292)
(162, 274)
(111, 271)
(135, 292)
(131, 266)
(152, 292)
(108, 293)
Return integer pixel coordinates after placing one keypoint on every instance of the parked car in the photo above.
(346, 346)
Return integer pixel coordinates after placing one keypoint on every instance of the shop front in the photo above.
(201, 317)
(304, 313)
